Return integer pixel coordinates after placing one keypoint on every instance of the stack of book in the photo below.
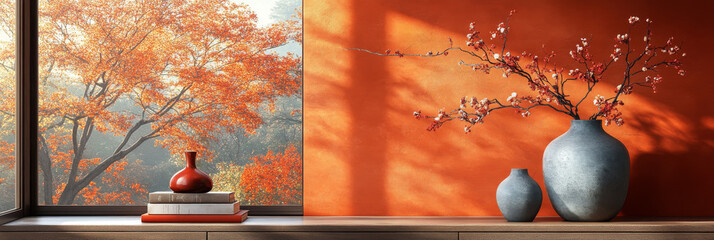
(193, 207)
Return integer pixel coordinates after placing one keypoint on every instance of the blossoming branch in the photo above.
(548, 81)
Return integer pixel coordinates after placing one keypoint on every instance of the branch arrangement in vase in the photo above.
(548, 81)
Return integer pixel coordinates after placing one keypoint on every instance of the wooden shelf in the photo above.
(290, 227)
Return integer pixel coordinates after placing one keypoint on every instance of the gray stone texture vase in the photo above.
(519, 197)
(586, 173)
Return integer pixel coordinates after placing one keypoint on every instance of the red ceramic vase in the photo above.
(191, 179)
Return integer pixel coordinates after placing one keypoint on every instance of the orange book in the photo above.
(239, 217)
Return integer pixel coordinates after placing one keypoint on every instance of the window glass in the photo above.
(8, 171)
(126, 86)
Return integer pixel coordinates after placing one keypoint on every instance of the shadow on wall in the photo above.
(366, 155)
(367, 98)
(674, 178)
(398, 168)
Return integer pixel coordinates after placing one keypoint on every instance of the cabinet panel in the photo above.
(333, 235)
(584, 236)
(103, 235)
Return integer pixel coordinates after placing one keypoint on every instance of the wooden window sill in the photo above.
(355, 227)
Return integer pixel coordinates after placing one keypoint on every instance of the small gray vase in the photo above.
(586, 173)
(519, 197)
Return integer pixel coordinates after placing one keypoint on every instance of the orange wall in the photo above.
(366, 155)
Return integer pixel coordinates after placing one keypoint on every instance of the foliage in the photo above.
(281, 127)
(273, 179)
(227, 179)
(175, 73)
(548, 80)
(7, 105)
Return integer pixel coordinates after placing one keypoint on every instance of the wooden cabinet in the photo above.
(584, 236)
(357, 228)
(103, 235)
(345, 236)
(333, 235)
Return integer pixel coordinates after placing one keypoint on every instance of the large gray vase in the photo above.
(519, 197)
(586, 173)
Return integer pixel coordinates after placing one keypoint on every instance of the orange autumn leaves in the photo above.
(271, 179)
(122, 192)
(7, 155)
(173, 74)
(117, 186)
(7, 106)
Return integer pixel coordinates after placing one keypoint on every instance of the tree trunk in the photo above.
(45, 165)
(74, 187)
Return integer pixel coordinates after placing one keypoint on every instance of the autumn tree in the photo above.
(227, 179)
(281, 131)
(7, 105)
(281, 127)
(186, 69)
(273, 179)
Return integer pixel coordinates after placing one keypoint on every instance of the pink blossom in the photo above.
(626, 91)
(673, 50)
(551, 92)
(573, 72)
(633, 19)
(485, 102)
(623, 38)
(599, 100)
(501, 28)
(619, 121)
(417, 114)
(513, 99)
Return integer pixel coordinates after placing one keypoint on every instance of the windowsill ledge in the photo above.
(359, 224)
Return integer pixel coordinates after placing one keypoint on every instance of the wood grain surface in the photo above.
(102, 235)
(360, 224)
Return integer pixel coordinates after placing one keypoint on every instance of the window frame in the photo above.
(23, 93)
(26, 148)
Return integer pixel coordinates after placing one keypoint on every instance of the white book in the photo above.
(193, 209)
(209, 197)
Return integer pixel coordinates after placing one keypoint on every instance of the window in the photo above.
(8, 163)
(126, 86)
